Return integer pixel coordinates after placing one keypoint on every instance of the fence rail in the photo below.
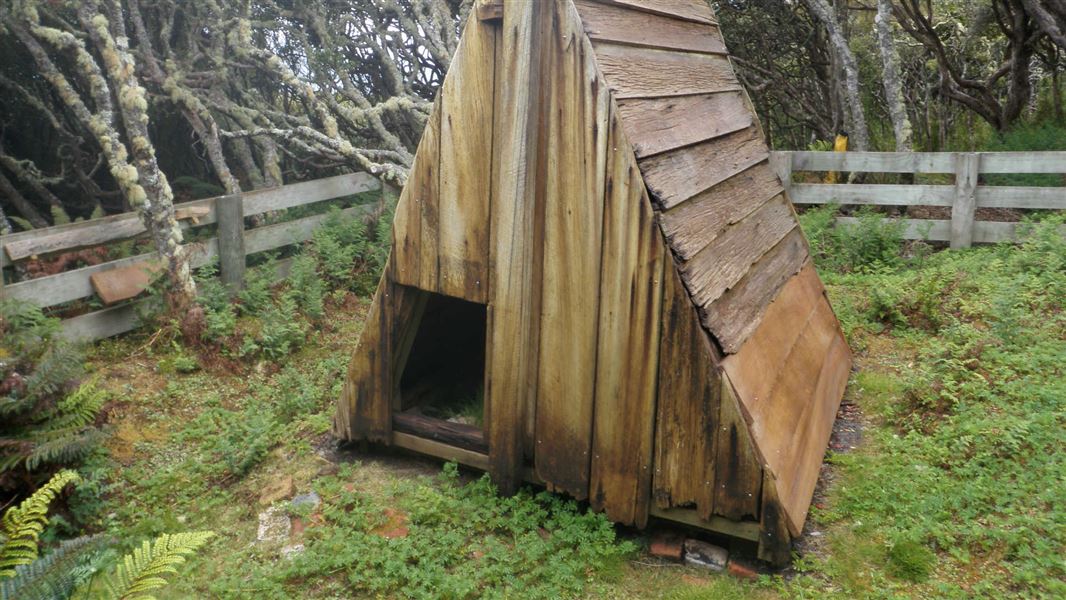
(964, 196)
(231, 244)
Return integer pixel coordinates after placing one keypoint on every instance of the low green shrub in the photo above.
(873, 244)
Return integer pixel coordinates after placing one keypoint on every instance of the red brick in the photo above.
(667, 544)
(742, 570)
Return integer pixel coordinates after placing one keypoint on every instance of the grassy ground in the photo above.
(956, 489)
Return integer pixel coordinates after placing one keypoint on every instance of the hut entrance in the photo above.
(442, 386)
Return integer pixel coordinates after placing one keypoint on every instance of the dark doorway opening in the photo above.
(442, 386)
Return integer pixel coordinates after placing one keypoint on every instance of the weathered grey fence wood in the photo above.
(781, 163)
(1021, 197)
(1023, 162)
(96, 232)
(873, 162)
(230, 211)
(270, 237)
(102, 323)
(877, 194)
(964, 205)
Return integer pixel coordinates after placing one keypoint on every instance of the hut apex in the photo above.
(597, 283)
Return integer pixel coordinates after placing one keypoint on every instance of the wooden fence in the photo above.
(963, 197)
(231, 244)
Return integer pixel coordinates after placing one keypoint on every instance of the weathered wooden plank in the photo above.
(755, 367)
(646, 73)
(676, 176)
(735, 316)
(421, 445)
(745, 530)
(308, 192)
(691, 225)
(364, 411)
(511, 366)
(873, 162)
(627, 359)
(938, 230)
(425, 178)
(1023, 162)
(738, 468)
(730, 255)
(404, 261)
(577, 112)
(1021, 197)
(115, 285)
(877, 194)
(618, 24)
(659, 124)
(697, 11)
(261, 239)
(460, 435)
(94, 232)
(101, 324)
(465, 179)
(687, 414)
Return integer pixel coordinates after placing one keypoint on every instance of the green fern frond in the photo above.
(63, 446)
(52, 577)
(79, 408)
(146, 568)
(23, 524)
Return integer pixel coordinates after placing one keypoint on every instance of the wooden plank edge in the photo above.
(660, 12)
(745, 530)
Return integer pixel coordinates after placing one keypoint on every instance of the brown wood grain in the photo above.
(460, 435)
(465, 165)
(687, 413)
(775, 541)
(633, 72)
(691, 225)
(577, 111)
(755, 367)
(738, 468)
(364, 411)
(737, 313)
(691, 10)
(408, 247)
(627, 359)
(426, 194)
(730, 256)
(619, 24)
(660, 124)
(676, 176)
(514, 301)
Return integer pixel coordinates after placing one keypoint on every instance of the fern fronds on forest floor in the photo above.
(22, 525)
(145, 568)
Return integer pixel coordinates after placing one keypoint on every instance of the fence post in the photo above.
(964, 205)
(229, 211)
(781, 163)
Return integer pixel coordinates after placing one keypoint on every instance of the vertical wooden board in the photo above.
(628, 356)
(687, 412)
(426, 194)
(414, 224)
(738, 467)
(577, 108)
(365, 408)
(811, 437)
(466, 165)
(775, 541)
(511, 365)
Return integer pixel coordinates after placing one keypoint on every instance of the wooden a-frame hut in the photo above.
(592, 240)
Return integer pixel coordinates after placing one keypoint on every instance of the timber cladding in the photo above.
(655, 338)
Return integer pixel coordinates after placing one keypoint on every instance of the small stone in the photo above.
(276, 490)
(291, 550)
(274, 526)
(708, 556)
(742, 570)
(311, 501)
(667, 544)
